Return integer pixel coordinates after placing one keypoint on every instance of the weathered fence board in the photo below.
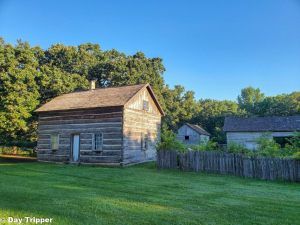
(234, 164)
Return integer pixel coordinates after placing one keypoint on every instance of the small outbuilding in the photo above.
(106, 126)
(192, 134)
(246, 131)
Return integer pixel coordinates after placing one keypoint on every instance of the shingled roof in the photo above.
(97, 98)
(259, 124)
(198, 129)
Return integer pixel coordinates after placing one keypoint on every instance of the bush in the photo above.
(14, 150)
(205, 146)
(237, 148)
(169, 142)
(296, 155)
(294, 142)
(292, 148)
(268, 147)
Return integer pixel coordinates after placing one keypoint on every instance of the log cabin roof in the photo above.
(198, 129)
(97, 98)
(262, 124)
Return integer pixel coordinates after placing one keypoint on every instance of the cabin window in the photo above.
(54, 141)
(144, 142)
(98, 142)
(186, 138)
(145, 105)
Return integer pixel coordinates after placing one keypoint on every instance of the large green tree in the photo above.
(19, 92)
(180, 106)
(31, 76)
(249, 99)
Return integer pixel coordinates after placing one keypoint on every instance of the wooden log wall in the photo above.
(139, 123)
(108, 121)
(234, 164)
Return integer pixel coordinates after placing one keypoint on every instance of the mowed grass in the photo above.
(142, 195)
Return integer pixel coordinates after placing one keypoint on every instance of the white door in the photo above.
(75, 150)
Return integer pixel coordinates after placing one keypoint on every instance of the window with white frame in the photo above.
(54, 141)
(98, 142)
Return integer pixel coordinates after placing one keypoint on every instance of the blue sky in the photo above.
(212, 47)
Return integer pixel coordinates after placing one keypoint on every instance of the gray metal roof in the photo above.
(257, 124)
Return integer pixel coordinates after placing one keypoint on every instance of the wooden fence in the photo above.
(235, 164)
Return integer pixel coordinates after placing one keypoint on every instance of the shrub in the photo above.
(296, 155)
(233, 147)
(169, 142)
(292, 148)
(205, 146)
(268, 147)
(294, 142)
(14, 150)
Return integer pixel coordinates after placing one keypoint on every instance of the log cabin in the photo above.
(247, 131)
(106, 126)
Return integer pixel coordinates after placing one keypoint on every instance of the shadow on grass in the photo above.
(16, 159)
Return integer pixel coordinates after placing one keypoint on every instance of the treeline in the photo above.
(31, 76)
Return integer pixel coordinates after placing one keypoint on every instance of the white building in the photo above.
(246, 131)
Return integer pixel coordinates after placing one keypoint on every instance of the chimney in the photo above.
(93, 84)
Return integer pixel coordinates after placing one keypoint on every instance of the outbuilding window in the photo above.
(98, 142)
(186, 138)
(54, 141)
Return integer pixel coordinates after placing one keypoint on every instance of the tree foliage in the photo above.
(212, 114)
(249, 99)
(31, 76)
(19, 92)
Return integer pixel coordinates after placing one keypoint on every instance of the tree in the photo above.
(280, 105)
(212, 114)
(53, 82)
(31, 76)
(180, 106)
(18, 90)
(116, 69)
(249, 99)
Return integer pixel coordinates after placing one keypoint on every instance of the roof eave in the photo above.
(261, 130)
(60, 110)
(155, 100)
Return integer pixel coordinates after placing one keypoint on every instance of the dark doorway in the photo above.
(282, 140)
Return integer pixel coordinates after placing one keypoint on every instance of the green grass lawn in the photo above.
(142, 195)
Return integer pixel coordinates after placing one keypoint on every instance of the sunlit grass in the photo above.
(142, 195)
